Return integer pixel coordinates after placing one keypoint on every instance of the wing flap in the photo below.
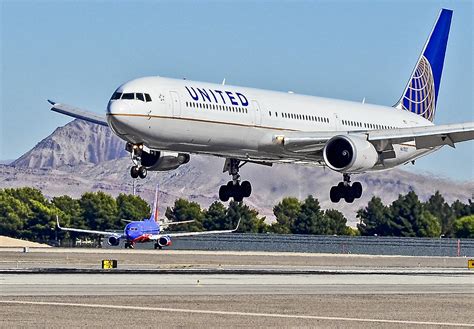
(424, 137)
(78, 113)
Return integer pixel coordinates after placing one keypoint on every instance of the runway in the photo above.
(334, 291)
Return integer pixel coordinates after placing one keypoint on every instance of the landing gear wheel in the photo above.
(157, 246)
(335, 194)
(349, 194)
(357, 190)
(134, 172)
(142, 172)
(224, 193)
(246, 189)
(344, 190)
(237, 193)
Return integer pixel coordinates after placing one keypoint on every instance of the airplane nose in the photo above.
(115, 116)
(117, 107)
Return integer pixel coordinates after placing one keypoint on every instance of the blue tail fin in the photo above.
(421, 93)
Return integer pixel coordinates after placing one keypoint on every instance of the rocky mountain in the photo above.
(78, 142)
(82, 157)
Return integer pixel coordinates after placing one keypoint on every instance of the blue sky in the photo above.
(79, 52)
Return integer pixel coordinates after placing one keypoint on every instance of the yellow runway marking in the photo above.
(248, 314)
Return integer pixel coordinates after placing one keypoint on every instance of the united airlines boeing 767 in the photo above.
(164, 120)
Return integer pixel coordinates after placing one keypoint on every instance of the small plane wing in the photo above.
(166, 224)
(180, 234)
(382, 139)
(86, 231)
(78, 113)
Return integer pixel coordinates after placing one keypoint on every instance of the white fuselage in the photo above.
(236, 122)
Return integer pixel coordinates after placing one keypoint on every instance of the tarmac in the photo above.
(58, 288)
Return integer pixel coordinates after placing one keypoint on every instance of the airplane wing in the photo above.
(78, 113)
(180, 234)
(86, 231)
(383, 139)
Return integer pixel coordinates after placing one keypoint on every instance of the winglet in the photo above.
(51, 102)
(238, 224)
(57, 222)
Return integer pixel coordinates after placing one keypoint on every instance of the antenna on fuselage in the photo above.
(223, 82)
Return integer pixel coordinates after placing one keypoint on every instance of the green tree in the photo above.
(336, 222)
(13, 216)
(375, 219)
(409, 218)
(464, 227)
(70, 215)
(131, 207)
(440, 209)
(215, 218)
(311, 219)
(461, 209)
(184, 210)
(100, 211)
(286, 212)
(249, 220)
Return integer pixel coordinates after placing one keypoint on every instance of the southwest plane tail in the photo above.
(154, 210)
(421, 93)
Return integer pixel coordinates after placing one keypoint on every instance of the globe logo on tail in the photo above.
(419, 97)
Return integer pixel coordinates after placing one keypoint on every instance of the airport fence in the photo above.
(370, 245)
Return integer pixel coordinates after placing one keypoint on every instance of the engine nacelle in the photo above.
(350, 154)
(164, 241)
(163, 161)
(113, 241)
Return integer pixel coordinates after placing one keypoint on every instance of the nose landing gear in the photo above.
(137, 169)
(344, 190)
(234, 189)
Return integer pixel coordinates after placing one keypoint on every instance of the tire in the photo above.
(142, 172)
(246, 189)
(224, 193)
(349, 194)
(335, 194)
(134, 172)
(357, 190)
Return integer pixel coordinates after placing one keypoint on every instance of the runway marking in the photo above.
(251, 314)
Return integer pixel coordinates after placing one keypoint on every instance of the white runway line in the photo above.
(248, 314)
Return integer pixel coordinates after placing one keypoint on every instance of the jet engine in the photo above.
(113, 241)
(163, 161)
(350, 154)
(164, 241)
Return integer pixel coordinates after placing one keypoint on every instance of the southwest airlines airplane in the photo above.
(149, 229)
(163, 120)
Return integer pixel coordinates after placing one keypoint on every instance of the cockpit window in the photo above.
(147, 97)
(140, 96)
(128, 96)
(116, 95)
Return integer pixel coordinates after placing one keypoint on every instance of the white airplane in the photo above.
(164, 120)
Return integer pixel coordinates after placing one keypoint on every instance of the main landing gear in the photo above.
(129, 245)
(344, 190)
(234, 189)
(137, 169)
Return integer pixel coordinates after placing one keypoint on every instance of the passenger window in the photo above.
(140, 96)
(128, 96)
(147, 98)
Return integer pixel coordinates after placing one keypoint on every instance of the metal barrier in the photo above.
(370, 245)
